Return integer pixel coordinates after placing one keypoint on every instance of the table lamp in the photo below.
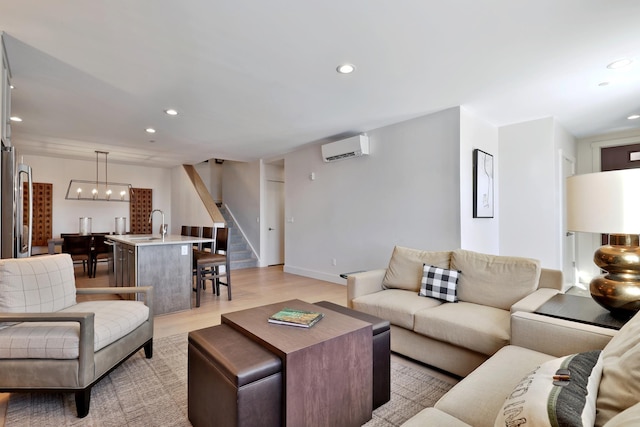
(609, 203)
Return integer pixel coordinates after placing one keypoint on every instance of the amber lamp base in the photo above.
(619, 290)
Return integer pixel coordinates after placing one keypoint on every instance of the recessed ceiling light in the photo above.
(171, 112)
(12, 86)
(15, 119)
(634, 116)
(346, 68)
(621, 63)
(150, 130)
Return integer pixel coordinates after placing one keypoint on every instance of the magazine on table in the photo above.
(295, 317)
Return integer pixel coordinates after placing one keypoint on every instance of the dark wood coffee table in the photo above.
(580, 309)
(327, 368)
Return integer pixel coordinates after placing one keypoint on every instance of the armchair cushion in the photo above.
(36, 285)
(61, 340)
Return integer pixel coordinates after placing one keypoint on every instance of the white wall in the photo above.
(407, 192)
(211, 174)
(59, 172)
(477, 234)
(530, 190)
(186, 206)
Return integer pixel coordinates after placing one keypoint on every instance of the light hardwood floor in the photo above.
(251, 288)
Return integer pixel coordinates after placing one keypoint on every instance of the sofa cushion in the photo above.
(395, 305)
(439, 283)
(37, 284)
(620, 384)
(60, 340)
(541, 399)
(626, 418)
(432, 417)
(477, 398)
(476, 327)
(405, 267)
(496, 281)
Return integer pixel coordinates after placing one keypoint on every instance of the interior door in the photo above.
(275, 222)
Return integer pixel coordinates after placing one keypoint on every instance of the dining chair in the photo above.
(101, 251)
(208, 265)
(195, 231)
(79, 247)
(207, 233)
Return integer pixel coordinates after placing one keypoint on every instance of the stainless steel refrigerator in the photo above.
(17, 216)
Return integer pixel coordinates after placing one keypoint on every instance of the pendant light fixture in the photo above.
(97, 190)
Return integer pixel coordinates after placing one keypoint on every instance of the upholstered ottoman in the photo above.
(381, 350)
(232, 381)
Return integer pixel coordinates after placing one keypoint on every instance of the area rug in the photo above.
(153, 392)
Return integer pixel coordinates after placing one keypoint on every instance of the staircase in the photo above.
(239, 251)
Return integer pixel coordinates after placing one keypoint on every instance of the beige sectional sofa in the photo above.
(457, 337)
(513, 388)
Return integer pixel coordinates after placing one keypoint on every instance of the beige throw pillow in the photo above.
(405, 267)
(620, 384)
(496, 281)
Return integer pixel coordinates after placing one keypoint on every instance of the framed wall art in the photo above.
(482, 184)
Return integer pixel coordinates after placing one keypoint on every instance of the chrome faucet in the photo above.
(163, 228)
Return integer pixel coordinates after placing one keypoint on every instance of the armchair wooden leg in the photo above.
(148, 349)
(83, 399)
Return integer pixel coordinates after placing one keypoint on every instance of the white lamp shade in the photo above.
(604, 202)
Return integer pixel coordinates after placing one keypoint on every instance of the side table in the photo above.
(580, 309)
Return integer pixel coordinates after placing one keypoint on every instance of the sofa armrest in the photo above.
(557, 337)
(551, 279)
(364, 283)
(533, 301)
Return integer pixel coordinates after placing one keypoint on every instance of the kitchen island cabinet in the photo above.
(166, 264)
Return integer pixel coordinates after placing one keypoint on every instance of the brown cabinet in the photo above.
(42, 212)
(139, 210)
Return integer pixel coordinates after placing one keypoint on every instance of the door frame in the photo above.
(565, 241)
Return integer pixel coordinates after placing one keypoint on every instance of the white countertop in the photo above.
(155, 239)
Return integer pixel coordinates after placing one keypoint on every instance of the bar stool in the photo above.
(208, 265)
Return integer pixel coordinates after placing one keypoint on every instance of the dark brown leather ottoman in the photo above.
(381, 350)
(232, 381)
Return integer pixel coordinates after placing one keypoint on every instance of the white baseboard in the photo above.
(327, 277)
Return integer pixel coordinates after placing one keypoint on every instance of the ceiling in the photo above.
(255, 79)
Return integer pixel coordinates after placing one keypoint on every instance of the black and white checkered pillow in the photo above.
(439, 283)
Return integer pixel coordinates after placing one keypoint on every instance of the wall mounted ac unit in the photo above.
(355, 146)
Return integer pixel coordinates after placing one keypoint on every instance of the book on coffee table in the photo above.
(294, 317)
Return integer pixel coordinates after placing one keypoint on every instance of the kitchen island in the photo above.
(164, 263)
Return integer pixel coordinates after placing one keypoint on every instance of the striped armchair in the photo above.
(50, 342)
